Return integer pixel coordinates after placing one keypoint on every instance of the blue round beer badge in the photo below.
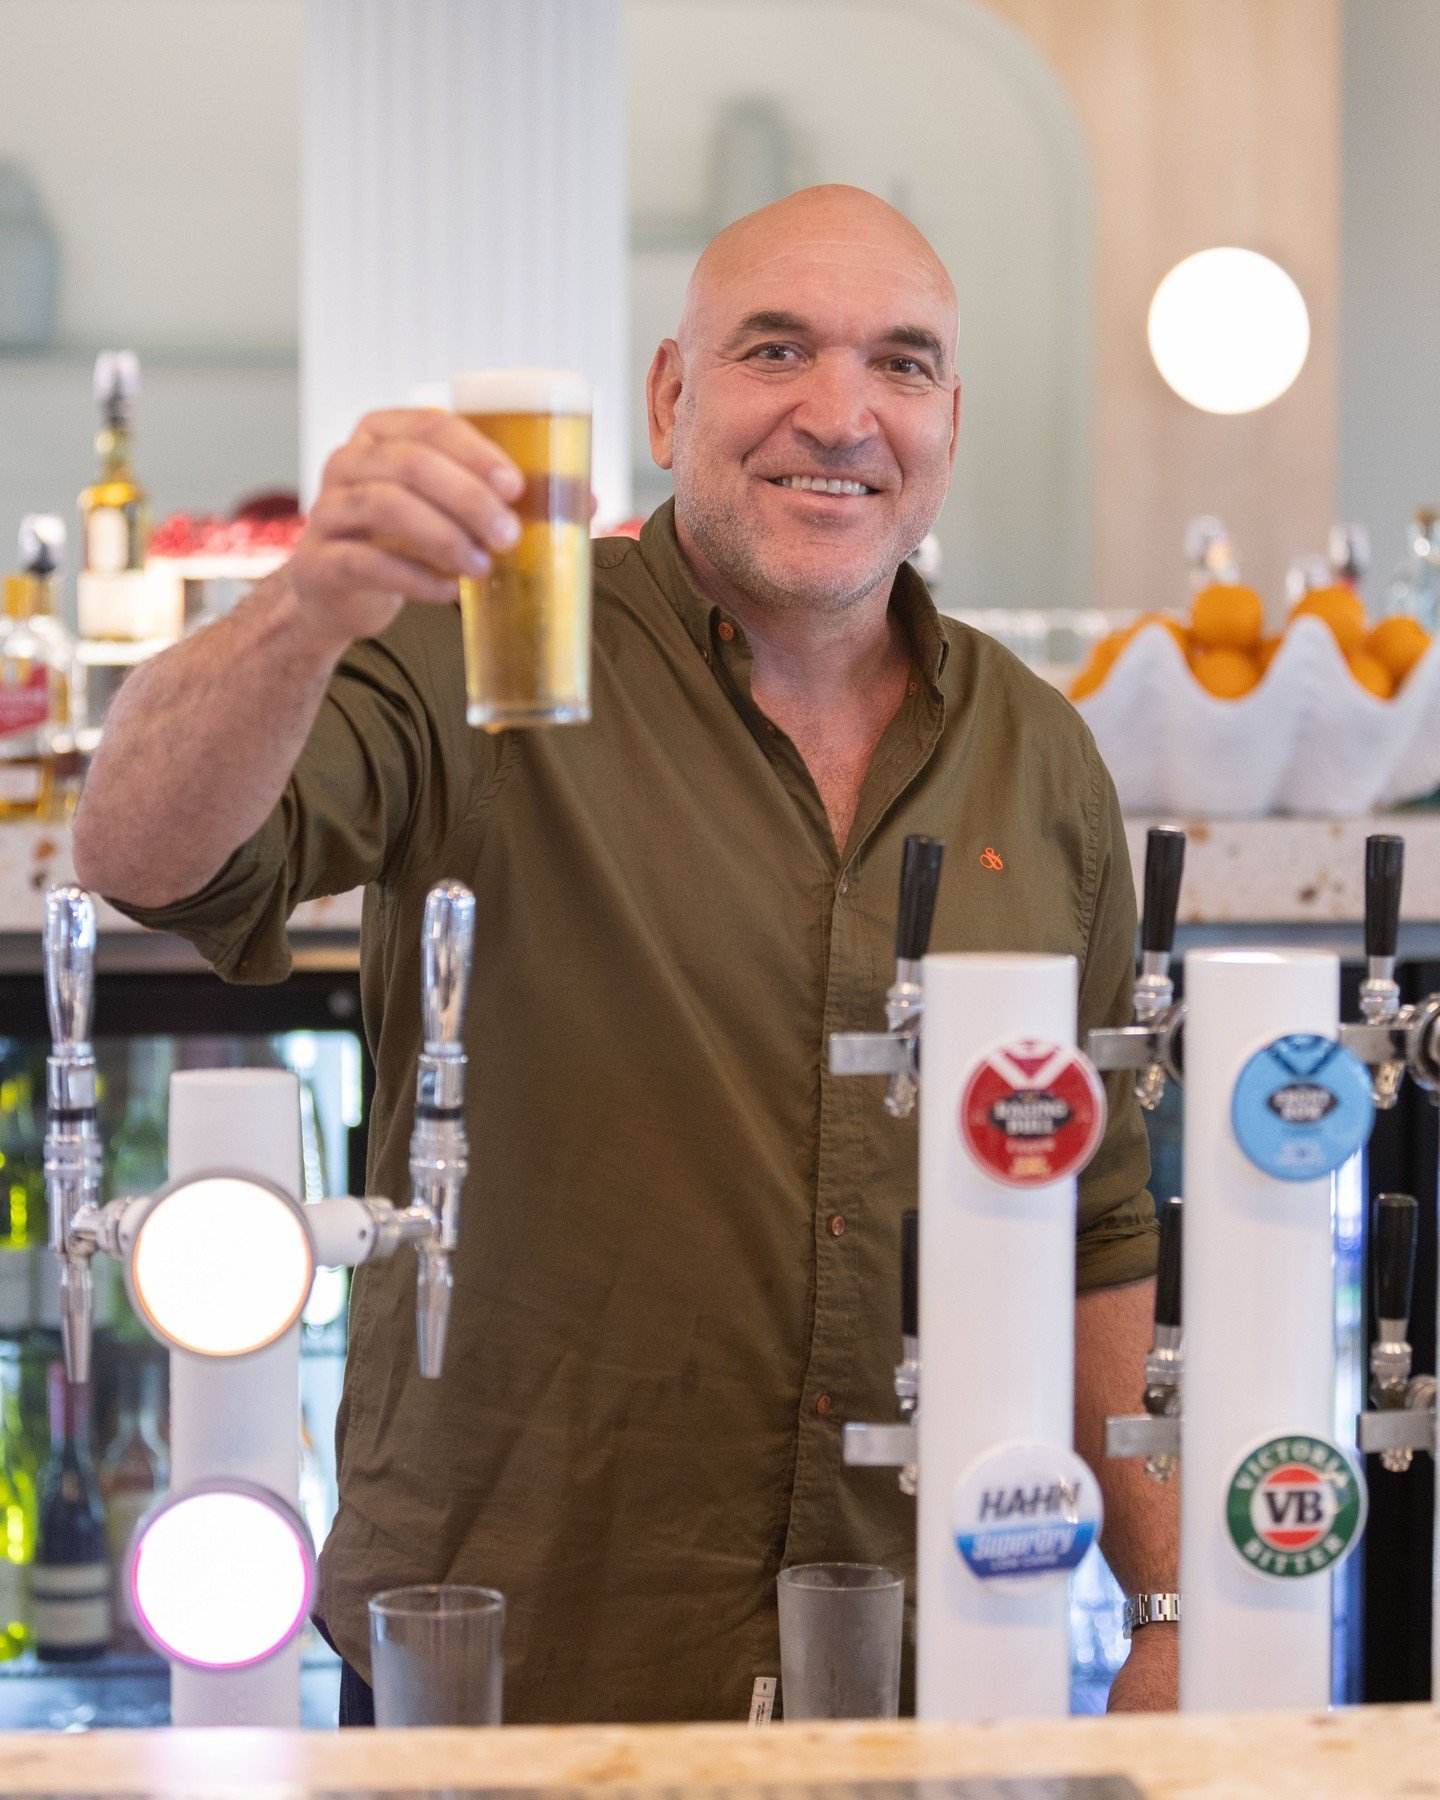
(1025, 1510)
(1302, 1107)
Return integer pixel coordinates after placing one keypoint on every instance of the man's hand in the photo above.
(415, 499)
(1149, 1678)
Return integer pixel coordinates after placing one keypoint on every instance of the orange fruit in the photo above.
(1371, 673)
(1265, 655)
(1225, 673)
(1342, 610)
(1228, 617)
(1398, 643)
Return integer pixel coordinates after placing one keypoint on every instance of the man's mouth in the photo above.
(820, 484)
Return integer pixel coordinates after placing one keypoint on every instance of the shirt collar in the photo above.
(666, 562)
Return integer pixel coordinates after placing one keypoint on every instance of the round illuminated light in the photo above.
(221, 1575)
(1229, 330)
(221, 1264)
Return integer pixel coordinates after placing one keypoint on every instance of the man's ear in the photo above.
(955, 425)
(662, 396)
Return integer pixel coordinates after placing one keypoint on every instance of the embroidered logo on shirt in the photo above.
(991, 859)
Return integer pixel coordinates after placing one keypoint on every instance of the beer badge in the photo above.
(1294, 1507)
(1032, 1112)
(1302, 1107)
(1025, 1510)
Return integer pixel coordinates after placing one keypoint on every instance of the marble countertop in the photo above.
(1280, 872)
(1356, 1753)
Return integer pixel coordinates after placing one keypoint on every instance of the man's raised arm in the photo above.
(200, 742)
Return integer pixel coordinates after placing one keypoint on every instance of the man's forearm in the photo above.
(1113, 1328)
(197, 749)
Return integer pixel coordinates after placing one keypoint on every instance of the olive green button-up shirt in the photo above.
(678, 1268)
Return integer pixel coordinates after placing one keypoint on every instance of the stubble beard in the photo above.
(730, 542)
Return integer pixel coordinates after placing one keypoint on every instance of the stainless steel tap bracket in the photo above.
(896, 1050)
(1152, 1045)
(1155, 1432)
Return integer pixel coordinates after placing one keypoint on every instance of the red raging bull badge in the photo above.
(1032, 1112)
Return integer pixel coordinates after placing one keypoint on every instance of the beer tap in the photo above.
(79, 1225)
(439, 1151)
(896, 1051)
(1155, 1433)
(1380, 1006)
(894, 1446)
(1152, 1045)
(1402, 1416)
(1391, 1039)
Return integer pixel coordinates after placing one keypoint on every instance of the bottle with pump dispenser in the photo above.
(38, 686)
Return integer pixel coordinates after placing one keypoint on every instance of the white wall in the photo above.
(940, 107)
(1390, 270)
(163, 136)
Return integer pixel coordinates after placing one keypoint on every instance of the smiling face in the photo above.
(808, 408)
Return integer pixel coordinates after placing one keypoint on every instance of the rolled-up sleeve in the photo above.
(1117, 1235)
(387, 766)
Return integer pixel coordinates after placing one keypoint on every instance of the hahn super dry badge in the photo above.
(1025, 1510)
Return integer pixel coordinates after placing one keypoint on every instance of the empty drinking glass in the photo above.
(436, 1655)
(840, 1632)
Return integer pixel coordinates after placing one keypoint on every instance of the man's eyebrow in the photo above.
(769, 320)
(918, 337)
(912, 337)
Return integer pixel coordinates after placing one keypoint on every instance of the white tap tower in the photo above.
(1009, 1113)
(1259, 1352)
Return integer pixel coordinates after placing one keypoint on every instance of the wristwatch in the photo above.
(1151, 1609)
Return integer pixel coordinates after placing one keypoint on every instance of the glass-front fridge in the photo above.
(72, 1486)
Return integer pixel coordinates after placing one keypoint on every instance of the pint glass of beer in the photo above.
(526, 626)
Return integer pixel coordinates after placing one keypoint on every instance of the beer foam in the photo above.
(520, 391)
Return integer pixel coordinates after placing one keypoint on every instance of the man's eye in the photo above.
(777, 353)
(907, 365)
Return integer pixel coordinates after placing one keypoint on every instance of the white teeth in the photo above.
(817, 484)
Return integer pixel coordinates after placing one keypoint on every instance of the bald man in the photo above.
(679, 1263)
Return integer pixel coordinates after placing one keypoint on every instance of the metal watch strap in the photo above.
(1151, 1609)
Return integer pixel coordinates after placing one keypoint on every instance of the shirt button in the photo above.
(843, 885)
(823, 1404)
(910, 687)
(836, 1226)
(725, 631)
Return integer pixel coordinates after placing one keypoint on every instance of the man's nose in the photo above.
(835, 404)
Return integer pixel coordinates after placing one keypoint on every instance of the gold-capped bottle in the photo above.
(37, 682)
(114, 512)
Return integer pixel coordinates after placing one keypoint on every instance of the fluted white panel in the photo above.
(463, 207)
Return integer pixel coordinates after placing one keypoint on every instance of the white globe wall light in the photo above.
(221, 1575)
(1229, 330)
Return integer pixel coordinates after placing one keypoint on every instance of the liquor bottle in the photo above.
(37, 683)
(134, 1472)
(1210, 553)
(22, 1176)
(71, 1581)
(17, 1512)
(1349, 556)
(1415, 588)
(114, 598)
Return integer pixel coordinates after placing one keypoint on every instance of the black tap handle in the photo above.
(1167, 1275)
(1384, 871)
(1164, 865)
(919, 883)
(910, 1273)
(1392, 1254)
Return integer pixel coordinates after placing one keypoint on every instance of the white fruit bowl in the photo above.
(1308, 739)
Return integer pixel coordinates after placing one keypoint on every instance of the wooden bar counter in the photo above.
(1377, 1750)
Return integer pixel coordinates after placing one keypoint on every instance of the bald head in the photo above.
(834, 229)
(807, 405)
